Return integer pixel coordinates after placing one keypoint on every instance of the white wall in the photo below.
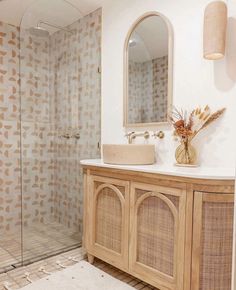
(196, 81)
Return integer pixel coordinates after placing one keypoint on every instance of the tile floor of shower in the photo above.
(40, 242)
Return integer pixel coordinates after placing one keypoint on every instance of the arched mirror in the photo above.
(148, 71)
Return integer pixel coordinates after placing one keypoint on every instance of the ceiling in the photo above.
(56, 11)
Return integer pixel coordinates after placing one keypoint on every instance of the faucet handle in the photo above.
(158, 134)
(66, 136)
(76, 136)
(146, 135)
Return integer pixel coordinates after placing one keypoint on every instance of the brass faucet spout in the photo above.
(132, 135)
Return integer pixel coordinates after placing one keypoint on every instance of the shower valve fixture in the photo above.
(70, 136)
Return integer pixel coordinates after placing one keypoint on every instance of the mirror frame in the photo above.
(126, 124)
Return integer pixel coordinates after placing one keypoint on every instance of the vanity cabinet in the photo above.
(174, 233)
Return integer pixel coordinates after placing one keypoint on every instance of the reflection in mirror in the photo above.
(147, 95)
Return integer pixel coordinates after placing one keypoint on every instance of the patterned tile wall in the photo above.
(148, 84)
(160, 88)
(34, 72)
(60, 92)
(9, 72)
(10, 188)
(135, 100)
(37, 135)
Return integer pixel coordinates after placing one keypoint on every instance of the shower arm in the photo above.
(53, 25)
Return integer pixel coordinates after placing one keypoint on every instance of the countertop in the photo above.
(196, 172)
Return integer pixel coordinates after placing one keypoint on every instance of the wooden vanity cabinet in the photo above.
(167, 231)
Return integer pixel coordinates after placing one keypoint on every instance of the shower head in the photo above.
(42, 32)
(39, 31)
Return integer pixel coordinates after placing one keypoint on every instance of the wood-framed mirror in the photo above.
(148, 71)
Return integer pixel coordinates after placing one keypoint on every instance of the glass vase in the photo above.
(186, 154)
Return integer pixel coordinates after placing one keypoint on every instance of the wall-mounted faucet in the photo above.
(132, 135)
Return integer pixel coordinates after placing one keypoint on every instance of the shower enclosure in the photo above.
(58, 125)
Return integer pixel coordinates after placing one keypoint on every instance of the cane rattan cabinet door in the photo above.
(157, 224)
(212, 241)
(109, 220)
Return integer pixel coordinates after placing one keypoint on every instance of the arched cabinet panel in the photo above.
(109, 204)
(157, 241)
(108, 222)
(156, 233)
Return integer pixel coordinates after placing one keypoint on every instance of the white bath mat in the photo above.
(82, 276)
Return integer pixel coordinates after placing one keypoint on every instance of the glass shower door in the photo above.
(60, 122)
(10, 189)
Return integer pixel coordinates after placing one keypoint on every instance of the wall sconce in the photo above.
(215, 27)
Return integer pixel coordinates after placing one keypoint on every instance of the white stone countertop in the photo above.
(193, 172)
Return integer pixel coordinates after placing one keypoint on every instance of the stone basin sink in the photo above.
(129, 154)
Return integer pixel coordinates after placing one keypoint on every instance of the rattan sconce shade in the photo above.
(215, 27)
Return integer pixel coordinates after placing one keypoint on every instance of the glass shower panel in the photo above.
(60, 122)
(10, 189)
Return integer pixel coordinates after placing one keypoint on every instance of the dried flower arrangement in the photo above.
(187, 126)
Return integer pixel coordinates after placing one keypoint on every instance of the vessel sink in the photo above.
(129, 154)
